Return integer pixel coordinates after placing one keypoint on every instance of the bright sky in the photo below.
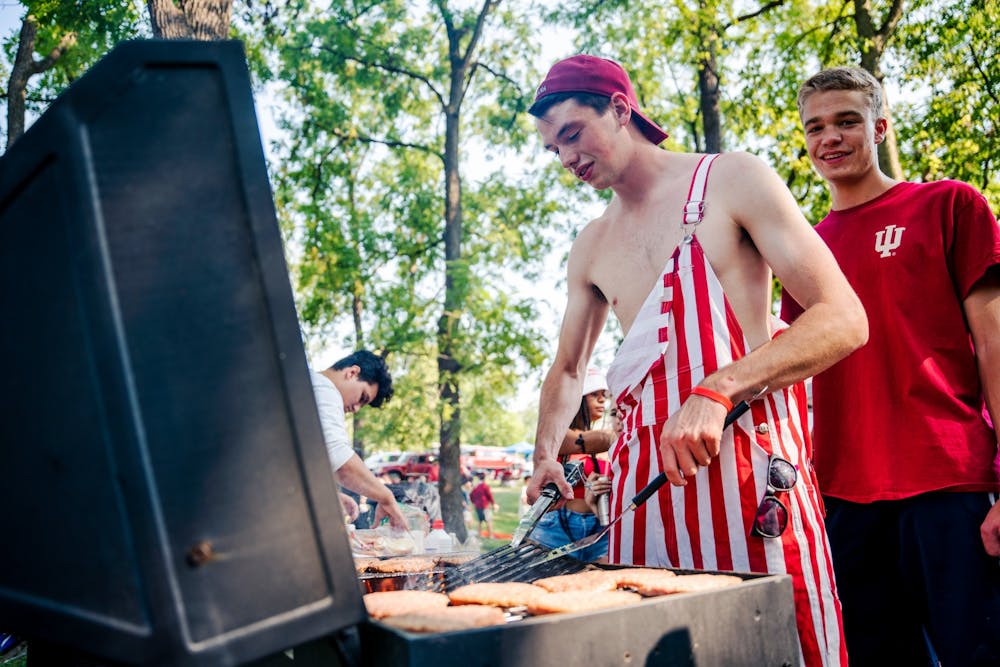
(10, 15)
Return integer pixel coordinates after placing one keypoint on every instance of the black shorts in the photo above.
(915, 580)
(481, 513)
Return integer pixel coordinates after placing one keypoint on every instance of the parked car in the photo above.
(493, 461)
(377, 461)
(412, 464)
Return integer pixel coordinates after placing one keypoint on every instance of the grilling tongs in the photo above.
(573, 472)
(643, 495)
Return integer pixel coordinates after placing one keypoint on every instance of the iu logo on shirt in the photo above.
(888, 240)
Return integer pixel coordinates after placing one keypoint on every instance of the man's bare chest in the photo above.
(625, 271)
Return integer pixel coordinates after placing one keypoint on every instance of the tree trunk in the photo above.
(450, 452)
(450, 408)
(25, 66)
(460, 58)
(357, 435)
(450, 479)
(190, 19)
(888, 150)
(872, 42)
(708, 89)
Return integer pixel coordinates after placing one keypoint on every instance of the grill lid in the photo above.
(174, 493)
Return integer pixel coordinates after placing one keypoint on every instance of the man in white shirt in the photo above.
(355, 381)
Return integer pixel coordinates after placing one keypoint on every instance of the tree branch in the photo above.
(337, 132)
(67, 42)
(476, 34)
(754, 14)
(977, 63)
(477, 31)
(893, 17)
(392, 69)
(500, 75)
(23, 68)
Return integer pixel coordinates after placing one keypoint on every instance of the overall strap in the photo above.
(694, 208)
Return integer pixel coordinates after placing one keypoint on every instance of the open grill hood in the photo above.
(168, 496)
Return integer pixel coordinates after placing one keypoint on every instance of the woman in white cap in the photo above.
(576, 519)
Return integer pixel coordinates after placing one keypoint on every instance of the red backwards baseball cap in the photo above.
(590, 74)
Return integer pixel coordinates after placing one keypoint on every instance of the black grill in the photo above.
(746, 625)
(171, 495)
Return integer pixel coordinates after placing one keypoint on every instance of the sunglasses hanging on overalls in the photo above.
(772, 515)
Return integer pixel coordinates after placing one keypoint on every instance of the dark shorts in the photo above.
(915, 580)
(481, 513)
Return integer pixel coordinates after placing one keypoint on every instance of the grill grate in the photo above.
(504, 564)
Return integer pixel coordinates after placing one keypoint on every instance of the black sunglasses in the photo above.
(772, 516)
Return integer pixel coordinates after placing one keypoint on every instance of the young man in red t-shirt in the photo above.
(905, 454)
(482, 500)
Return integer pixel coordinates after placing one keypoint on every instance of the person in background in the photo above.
(355, 381)
(417, 492)
(683, 255)
(522, 503)
(582, 438)
(482, 500)
(577, 517)
(905, 452)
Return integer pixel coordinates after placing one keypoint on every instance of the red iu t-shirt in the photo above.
(904, 414)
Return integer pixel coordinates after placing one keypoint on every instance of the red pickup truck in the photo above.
(412, 465)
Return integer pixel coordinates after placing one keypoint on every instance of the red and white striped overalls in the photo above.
(685, 331)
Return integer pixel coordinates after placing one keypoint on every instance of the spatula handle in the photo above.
(550, 491)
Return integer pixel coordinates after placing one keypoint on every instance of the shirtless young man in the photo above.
(689, 277)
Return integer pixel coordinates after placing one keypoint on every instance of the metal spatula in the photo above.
(550, 494)
(643, 495)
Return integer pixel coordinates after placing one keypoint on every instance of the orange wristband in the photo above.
(714, 396)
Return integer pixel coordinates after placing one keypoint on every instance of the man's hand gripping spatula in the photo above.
(643, 495)
(573, 472)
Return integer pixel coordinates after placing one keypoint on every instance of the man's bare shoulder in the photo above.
(742, 166)
(748, 188)
(593, 232)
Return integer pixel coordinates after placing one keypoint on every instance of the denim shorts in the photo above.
(563, 526)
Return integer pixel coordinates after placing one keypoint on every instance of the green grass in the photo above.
(505, 520)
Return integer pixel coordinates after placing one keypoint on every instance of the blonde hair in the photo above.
(844, 78)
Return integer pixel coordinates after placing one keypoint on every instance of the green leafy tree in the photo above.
(874, 30)
(952, 56)
(795, 41)
(679, 54)
(56, 42)
(941, 55)
(389, 105)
